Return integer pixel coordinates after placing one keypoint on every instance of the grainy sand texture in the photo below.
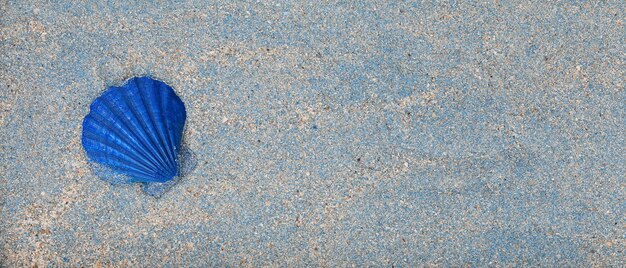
(378, 133)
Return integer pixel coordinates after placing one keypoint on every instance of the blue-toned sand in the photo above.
(333, 134)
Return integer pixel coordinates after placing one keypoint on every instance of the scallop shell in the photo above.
(135, 131)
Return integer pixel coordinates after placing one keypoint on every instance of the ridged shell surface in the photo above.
(136, 130)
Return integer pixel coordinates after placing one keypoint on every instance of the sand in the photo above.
(326, 134)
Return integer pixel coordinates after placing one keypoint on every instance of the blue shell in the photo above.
(136, 130)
